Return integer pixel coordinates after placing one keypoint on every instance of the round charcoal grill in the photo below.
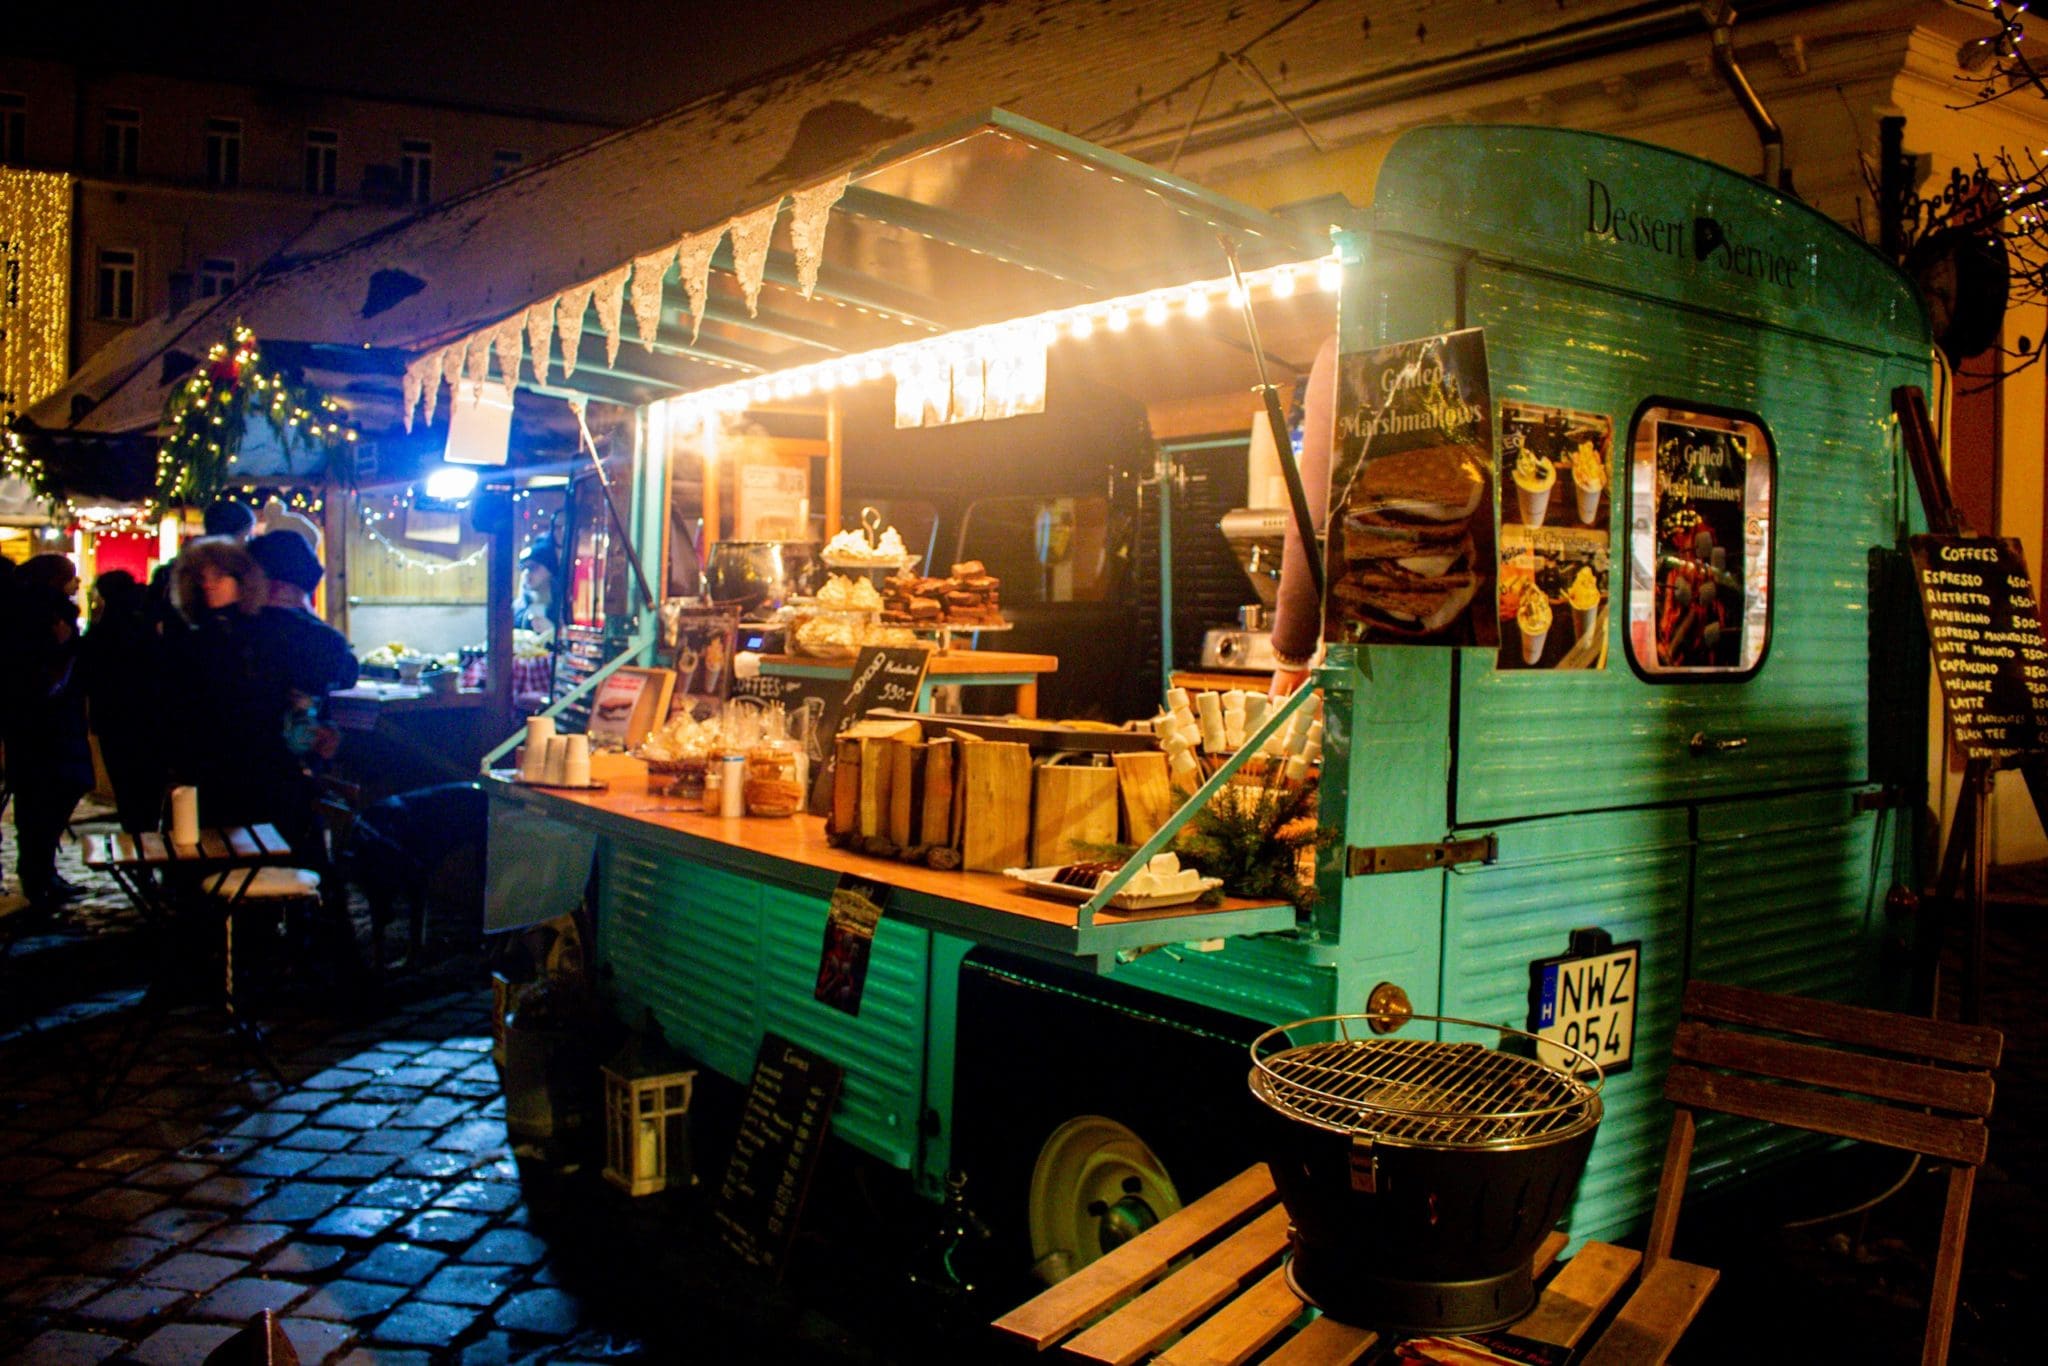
(1422, 1167)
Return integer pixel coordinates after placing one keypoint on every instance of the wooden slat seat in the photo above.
(1229, 1303)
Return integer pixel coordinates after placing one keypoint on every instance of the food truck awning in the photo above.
(985, 219)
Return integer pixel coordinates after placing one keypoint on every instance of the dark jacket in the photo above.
(42, 703)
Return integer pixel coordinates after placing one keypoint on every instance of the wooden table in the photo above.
(162, 879)
(994, 668)
(1146, 1301)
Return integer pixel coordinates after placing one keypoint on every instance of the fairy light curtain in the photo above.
(35, 263)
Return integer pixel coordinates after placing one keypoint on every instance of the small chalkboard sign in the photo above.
(1984, 623)
(886, 676)
(781, 1133)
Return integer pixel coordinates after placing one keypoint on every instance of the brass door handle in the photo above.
(1702, 744)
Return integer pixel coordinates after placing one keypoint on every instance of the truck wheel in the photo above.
(1095, 1186)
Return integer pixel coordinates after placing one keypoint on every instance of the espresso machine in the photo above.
(1255, 537)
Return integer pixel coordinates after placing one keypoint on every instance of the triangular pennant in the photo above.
(750, 238)
(540, 337)
(693, 261)
(476, 363)
(610, 299)
(430, 380)
(647, 273)
(510, 344)
(569, 310)
(808, 212)
(409, 389)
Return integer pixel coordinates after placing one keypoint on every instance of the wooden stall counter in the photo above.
(982, 906)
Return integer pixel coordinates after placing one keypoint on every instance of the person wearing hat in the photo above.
(534, 609)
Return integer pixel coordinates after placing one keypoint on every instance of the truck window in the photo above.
(1701, 484)
(1045, 550)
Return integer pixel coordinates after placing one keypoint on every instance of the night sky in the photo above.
(616, 60)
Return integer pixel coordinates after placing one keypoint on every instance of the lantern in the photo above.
(646, 1118)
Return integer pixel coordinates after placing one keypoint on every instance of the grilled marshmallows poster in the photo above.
(1411, 540)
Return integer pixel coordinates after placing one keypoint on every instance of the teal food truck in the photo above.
(1679, 732)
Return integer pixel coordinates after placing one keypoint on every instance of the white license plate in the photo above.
(1589, 1004)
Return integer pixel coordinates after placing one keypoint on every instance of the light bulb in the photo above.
(1119, 318)
(1197, 303)
(1155, 310)
(1330, 276)
(1081, 328)
(1283, 284)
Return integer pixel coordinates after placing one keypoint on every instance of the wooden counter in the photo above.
(985, 907)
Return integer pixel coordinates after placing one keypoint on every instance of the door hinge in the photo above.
(1408, 858)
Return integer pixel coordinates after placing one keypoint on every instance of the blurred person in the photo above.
(217, 734)
(534, 608)
(118, 661)
(225, 517)
(311, 658)
(49, 757)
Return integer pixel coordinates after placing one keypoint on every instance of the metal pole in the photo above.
(1290, 467)
(1162, 473)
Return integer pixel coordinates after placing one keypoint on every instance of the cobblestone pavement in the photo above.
(374, 1203)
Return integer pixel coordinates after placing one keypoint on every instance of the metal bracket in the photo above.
(1360, 860)
(1365, 1166)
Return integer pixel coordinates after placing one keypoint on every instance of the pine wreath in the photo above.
(209, 416)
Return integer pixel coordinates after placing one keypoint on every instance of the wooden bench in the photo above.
(1206, 1286)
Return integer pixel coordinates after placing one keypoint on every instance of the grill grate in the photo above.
(1457, 1094)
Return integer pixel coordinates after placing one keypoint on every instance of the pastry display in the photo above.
(842, 594)
(853, 548)
(968, 596)
(1162, 875)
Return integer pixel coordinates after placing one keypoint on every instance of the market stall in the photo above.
(1597, 696)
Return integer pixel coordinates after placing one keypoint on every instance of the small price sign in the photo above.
(1585, 999)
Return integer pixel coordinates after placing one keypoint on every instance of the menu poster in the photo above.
(1554, 537)
(781, 1134)
(1411, 542)
(1702, 478)
(1984, 622)
(702, 638)
(850, 921)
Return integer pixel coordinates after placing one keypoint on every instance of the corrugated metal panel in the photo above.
(1628, 873)
(721, 959)
(1537, 743)
(882, 1048)
(1789, 896)
(683, 940)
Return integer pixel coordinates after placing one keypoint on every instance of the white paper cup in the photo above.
(1589, 503)
(554, 768)
(1532, 646)
(1533, 505)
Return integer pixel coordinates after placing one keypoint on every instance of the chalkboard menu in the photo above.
(1985, 626)
(782, 1131)
(885, 676)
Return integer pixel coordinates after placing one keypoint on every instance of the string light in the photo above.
(370, 518)
(35, 222)
(17, 463)
(1079, 323)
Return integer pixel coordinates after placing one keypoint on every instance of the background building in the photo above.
(178, 189)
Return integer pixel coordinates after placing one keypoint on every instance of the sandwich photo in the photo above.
(1406, 559)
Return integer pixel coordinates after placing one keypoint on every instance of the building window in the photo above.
(116, 294)
(121, 147)
(216, 276)
(323, 152)
(505, 161)
(415, 170)
(13, 128)
(223, 153)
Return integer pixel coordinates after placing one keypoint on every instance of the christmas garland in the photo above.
(17, 463)
(209, 415)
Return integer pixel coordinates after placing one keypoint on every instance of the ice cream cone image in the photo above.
(1534, 618)
(1534, 478)
(1584, 597)
(1589, 477)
